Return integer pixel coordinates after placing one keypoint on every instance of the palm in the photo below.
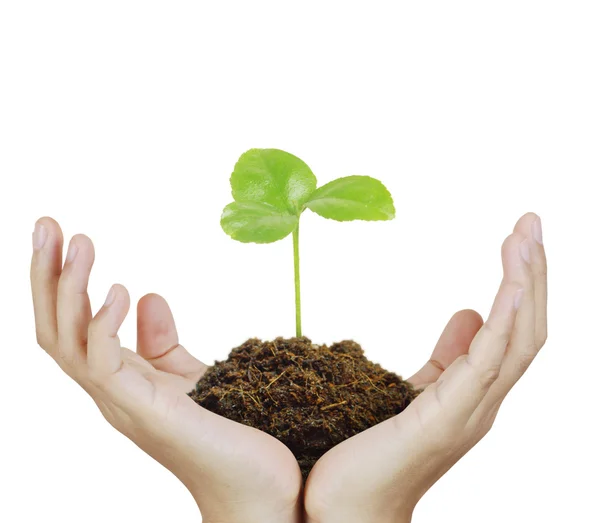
(359, 460)
(158, 378)
(165, 394)
(163, 378)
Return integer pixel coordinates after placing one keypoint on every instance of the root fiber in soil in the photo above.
(310, 397)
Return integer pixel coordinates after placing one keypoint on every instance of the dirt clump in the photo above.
(310, 397)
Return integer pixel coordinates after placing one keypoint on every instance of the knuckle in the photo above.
(540, 339)
(485, 374)
(541, 271)
(500, 335)
(483, 422)
(488, 423)
(523, 362)
(80, 377)
(64, 365)
(481, 428)
(65, 361)
(488, 376)
(45, 341)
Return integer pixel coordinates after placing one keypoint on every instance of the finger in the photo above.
(441, 410)
(463, 386)
(73, 306)
(104, 347)
(516, 254)
(158, 341)
(465, 383)
(522, 347)
(530, 225)
(46, 266)
(454, 342)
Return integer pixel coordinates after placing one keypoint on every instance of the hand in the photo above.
(380, 474)
(234, 472)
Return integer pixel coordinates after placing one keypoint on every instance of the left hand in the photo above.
(380, 474)
(234, 472)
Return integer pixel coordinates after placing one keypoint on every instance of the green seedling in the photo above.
(272, 188)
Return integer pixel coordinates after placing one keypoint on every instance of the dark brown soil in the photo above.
(310, 397)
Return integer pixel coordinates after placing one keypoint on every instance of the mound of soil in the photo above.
(310, 397)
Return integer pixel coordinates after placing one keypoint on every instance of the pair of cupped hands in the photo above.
(239, 474)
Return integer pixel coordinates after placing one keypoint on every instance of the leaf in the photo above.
(273, 177)
(257, 222)
(353, 198)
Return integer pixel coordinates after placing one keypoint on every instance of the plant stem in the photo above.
(295, 235)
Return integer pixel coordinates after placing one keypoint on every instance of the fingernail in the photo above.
(72, 252)
(110, 297)
(518, 298)
(537, 231)
(39, 236)
(524, 248)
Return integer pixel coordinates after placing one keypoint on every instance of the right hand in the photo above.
(380, 474)
(234, 472)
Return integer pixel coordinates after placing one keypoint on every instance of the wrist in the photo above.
(351, 514)
(249, 513)
(217, 509)
(254, 517)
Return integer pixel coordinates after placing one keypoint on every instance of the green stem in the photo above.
(295, 235)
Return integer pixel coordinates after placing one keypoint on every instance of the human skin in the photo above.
(380, 474)
(235, 473)
(239, 474)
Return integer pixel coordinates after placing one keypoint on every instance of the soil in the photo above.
(311, 397)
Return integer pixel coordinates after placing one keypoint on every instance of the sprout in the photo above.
(272, 188)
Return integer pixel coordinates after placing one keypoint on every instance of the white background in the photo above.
(123, 121)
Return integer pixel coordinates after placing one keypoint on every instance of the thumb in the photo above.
(454, 342)
(158, 342)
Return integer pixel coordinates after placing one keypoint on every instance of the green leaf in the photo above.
(273, 177)
(256, 222)
(353, 198)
